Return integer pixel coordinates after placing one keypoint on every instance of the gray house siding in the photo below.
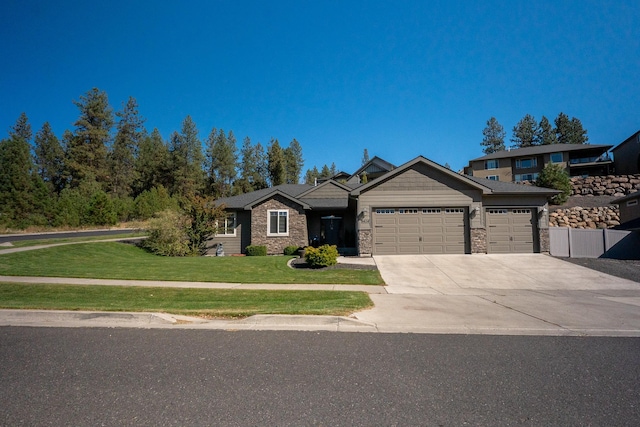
(233, 244)
(626, 156)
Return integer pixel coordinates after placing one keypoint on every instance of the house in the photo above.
(629, 206)
(524, 164)
(419, 207)
(626, 155)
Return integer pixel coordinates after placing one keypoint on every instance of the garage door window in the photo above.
(431, 211)
(385, 211)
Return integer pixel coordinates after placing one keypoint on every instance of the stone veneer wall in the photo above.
(478, 241)
(577, 217)
(365, 242)
(297, 226)
(610, 185)
(543, 239)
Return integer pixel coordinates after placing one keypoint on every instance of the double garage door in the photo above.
(420, 231)
(446, 230)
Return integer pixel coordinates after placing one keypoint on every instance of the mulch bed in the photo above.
(301, 264)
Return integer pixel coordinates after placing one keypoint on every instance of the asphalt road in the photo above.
(65, 235)
(110, 377)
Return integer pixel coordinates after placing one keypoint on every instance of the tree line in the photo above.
(528, 132)
(109, 168)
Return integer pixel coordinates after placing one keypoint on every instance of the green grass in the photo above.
(191, 302)
(112, 260)
(26, 243)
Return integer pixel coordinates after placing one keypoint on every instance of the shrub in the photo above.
(554, 176)
(150, 202)
(168, 234)
(322, 256)
(254, 250)
(291, 250)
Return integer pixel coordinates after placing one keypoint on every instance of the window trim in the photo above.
(225, 227)
(493, 162)
(556, 153)
(518, 177)
(278, 212)
(534, 163)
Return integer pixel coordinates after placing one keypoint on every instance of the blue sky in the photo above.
(400, 78)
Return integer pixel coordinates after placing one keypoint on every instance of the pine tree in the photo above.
(546, 133)
(125, 147)
(221, 162)
(311, 176)
(525, 131)
(494, 134)
(251, 178)
(87, 151)
(570, 131)
(49, 158)
(17, 201)
(276, 163)
(294, 162)
(186, 161)
(152, 163)
(325, 172)
(333, 170)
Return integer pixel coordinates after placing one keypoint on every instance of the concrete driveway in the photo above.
(504, 294)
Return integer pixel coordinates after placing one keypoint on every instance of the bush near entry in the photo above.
(323, 256)
(255, 250)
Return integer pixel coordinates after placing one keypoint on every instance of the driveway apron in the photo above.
(503, 294)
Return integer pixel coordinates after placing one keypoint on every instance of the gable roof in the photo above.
(324, 184)
(541, 149)
(378, 163)
(485, 185)
(634, 137)
(246, 200)
(420, 159)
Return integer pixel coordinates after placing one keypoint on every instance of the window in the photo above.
(385, 211)
(228, 226)
(493, 178)
(526, 177)
(556, 158)
(278, 223)
(430, 211)
(491, 164)
(526, 163)
(408, 211)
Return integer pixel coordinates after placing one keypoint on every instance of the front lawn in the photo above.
(191, 302)
(112, 260)
(56, 240)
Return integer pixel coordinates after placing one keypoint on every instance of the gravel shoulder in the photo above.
(626, 269)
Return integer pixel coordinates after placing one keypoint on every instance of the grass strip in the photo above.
(113, 260)
(186, 301)
(36, 242)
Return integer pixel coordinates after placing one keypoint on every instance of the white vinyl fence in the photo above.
(579, 243)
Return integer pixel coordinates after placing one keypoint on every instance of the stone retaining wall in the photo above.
(610, 185)
(577, 217)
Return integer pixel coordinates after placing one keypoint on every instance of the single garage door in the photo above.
(420, 231)
(510, 230)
